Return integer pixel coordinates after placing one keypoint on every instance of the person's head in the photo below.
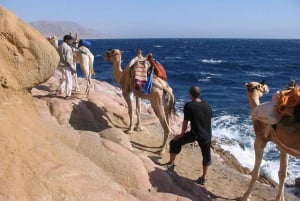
(195, 92)
(68, 39)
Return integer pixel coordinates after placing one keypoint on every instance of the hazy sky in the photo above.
(170, 18)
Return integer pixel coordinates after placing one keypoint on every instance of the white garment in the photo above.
(67, 64)
(61, 86)
(66, 82)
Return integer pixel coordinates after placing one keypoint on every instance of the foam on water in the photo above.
(259, 74)
(212, 61)
(237, 137)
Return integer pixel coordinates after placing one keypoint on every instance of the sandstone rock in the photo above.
(117, 136)
(26, 56)
(153, 196)
(35, 163)
(117, 161)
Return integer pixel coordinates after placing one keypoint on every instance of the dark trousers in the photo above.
(175, 146)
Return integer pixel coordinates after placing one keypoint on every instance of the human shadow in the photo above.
(43, 88)
(146, 148)
(168, 181)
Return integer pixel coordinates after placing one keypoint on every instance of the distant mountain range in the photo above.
(60, 28)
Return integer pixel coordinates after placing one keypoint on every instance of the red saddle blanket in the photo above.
(159, 69)
(287, 101)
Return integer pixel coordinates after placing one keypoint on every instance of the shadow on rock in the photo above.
(170, 182)
(89, 117)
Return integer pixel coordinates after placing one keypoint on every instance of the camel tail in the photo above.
(171, 101)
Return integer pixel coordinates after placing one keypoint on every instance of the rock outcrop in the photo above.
(46, 152)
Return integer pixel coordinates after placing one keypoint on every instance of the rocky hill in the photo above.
(60, 28)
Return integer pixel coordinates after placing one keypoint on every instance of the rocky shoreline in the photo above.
(107, 100)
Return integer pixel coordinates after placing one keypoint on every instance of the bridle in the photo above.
(259, 88)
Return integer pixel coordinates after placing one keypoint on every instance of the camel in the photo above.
(161, 97)
(285, 134)
(85, 58)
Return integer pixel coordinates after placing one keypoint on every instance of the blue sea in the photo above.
(220, 67)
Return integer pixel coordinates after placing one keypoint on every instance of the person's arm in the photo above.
(183, 129)
(69, 60)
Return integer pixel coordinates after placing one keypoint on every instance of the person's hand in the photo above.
(73, 70)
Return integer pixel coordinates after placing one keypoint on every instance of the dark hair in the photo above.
(195, 91)
(68, 37)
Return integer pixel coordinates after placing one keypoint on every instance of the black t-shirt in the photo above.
(199, 114)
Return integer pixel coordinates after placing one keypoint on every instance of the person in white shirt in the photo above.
(67, 66)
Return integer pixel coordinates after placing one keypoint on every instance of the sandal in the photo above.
(169, 166)
(201, 180)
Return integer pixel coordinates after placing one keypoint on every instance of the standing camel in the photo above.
(285, 134)
(161, 97)
(85, 58)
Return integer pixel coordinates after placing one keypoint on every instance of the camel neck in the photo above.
(118, 71)
(253, 100)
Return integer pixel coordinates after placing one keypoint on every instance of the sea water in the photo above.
(221, 67)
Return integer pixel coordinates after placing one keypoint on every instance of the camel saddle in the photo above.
(143, 69)
(287, 101)
(159, 69)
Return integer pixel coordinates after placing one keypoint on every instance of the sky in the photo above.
(170, 18)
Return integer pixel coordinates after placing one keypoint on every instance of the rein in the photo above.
(256, 88)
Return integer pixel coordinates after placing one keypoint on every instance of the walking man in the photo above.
(67, 66)
(198, 112)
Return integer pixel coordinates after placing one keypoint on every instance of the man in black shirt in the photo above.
(199, 113)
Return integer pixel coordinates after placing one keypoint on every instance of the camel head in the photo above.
(255, 91)
(53, 40)
(257, 88)
(260, 88)
(113, 55)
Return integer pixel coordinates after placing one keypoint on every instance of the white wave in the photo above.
(238, 138)
(169, 58)
(259, 74)
(207, 79)
(211, 61)
(157, 46)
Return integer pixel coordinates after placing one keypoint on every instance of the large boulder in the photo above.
(37, 161)
(26, 57)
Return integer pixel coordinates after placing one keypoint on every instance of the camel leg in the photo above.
(259, 146)
(88, 86)
(160, 113)
(138, 126)
(284, 157)
(126, 95)
(77, 88)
